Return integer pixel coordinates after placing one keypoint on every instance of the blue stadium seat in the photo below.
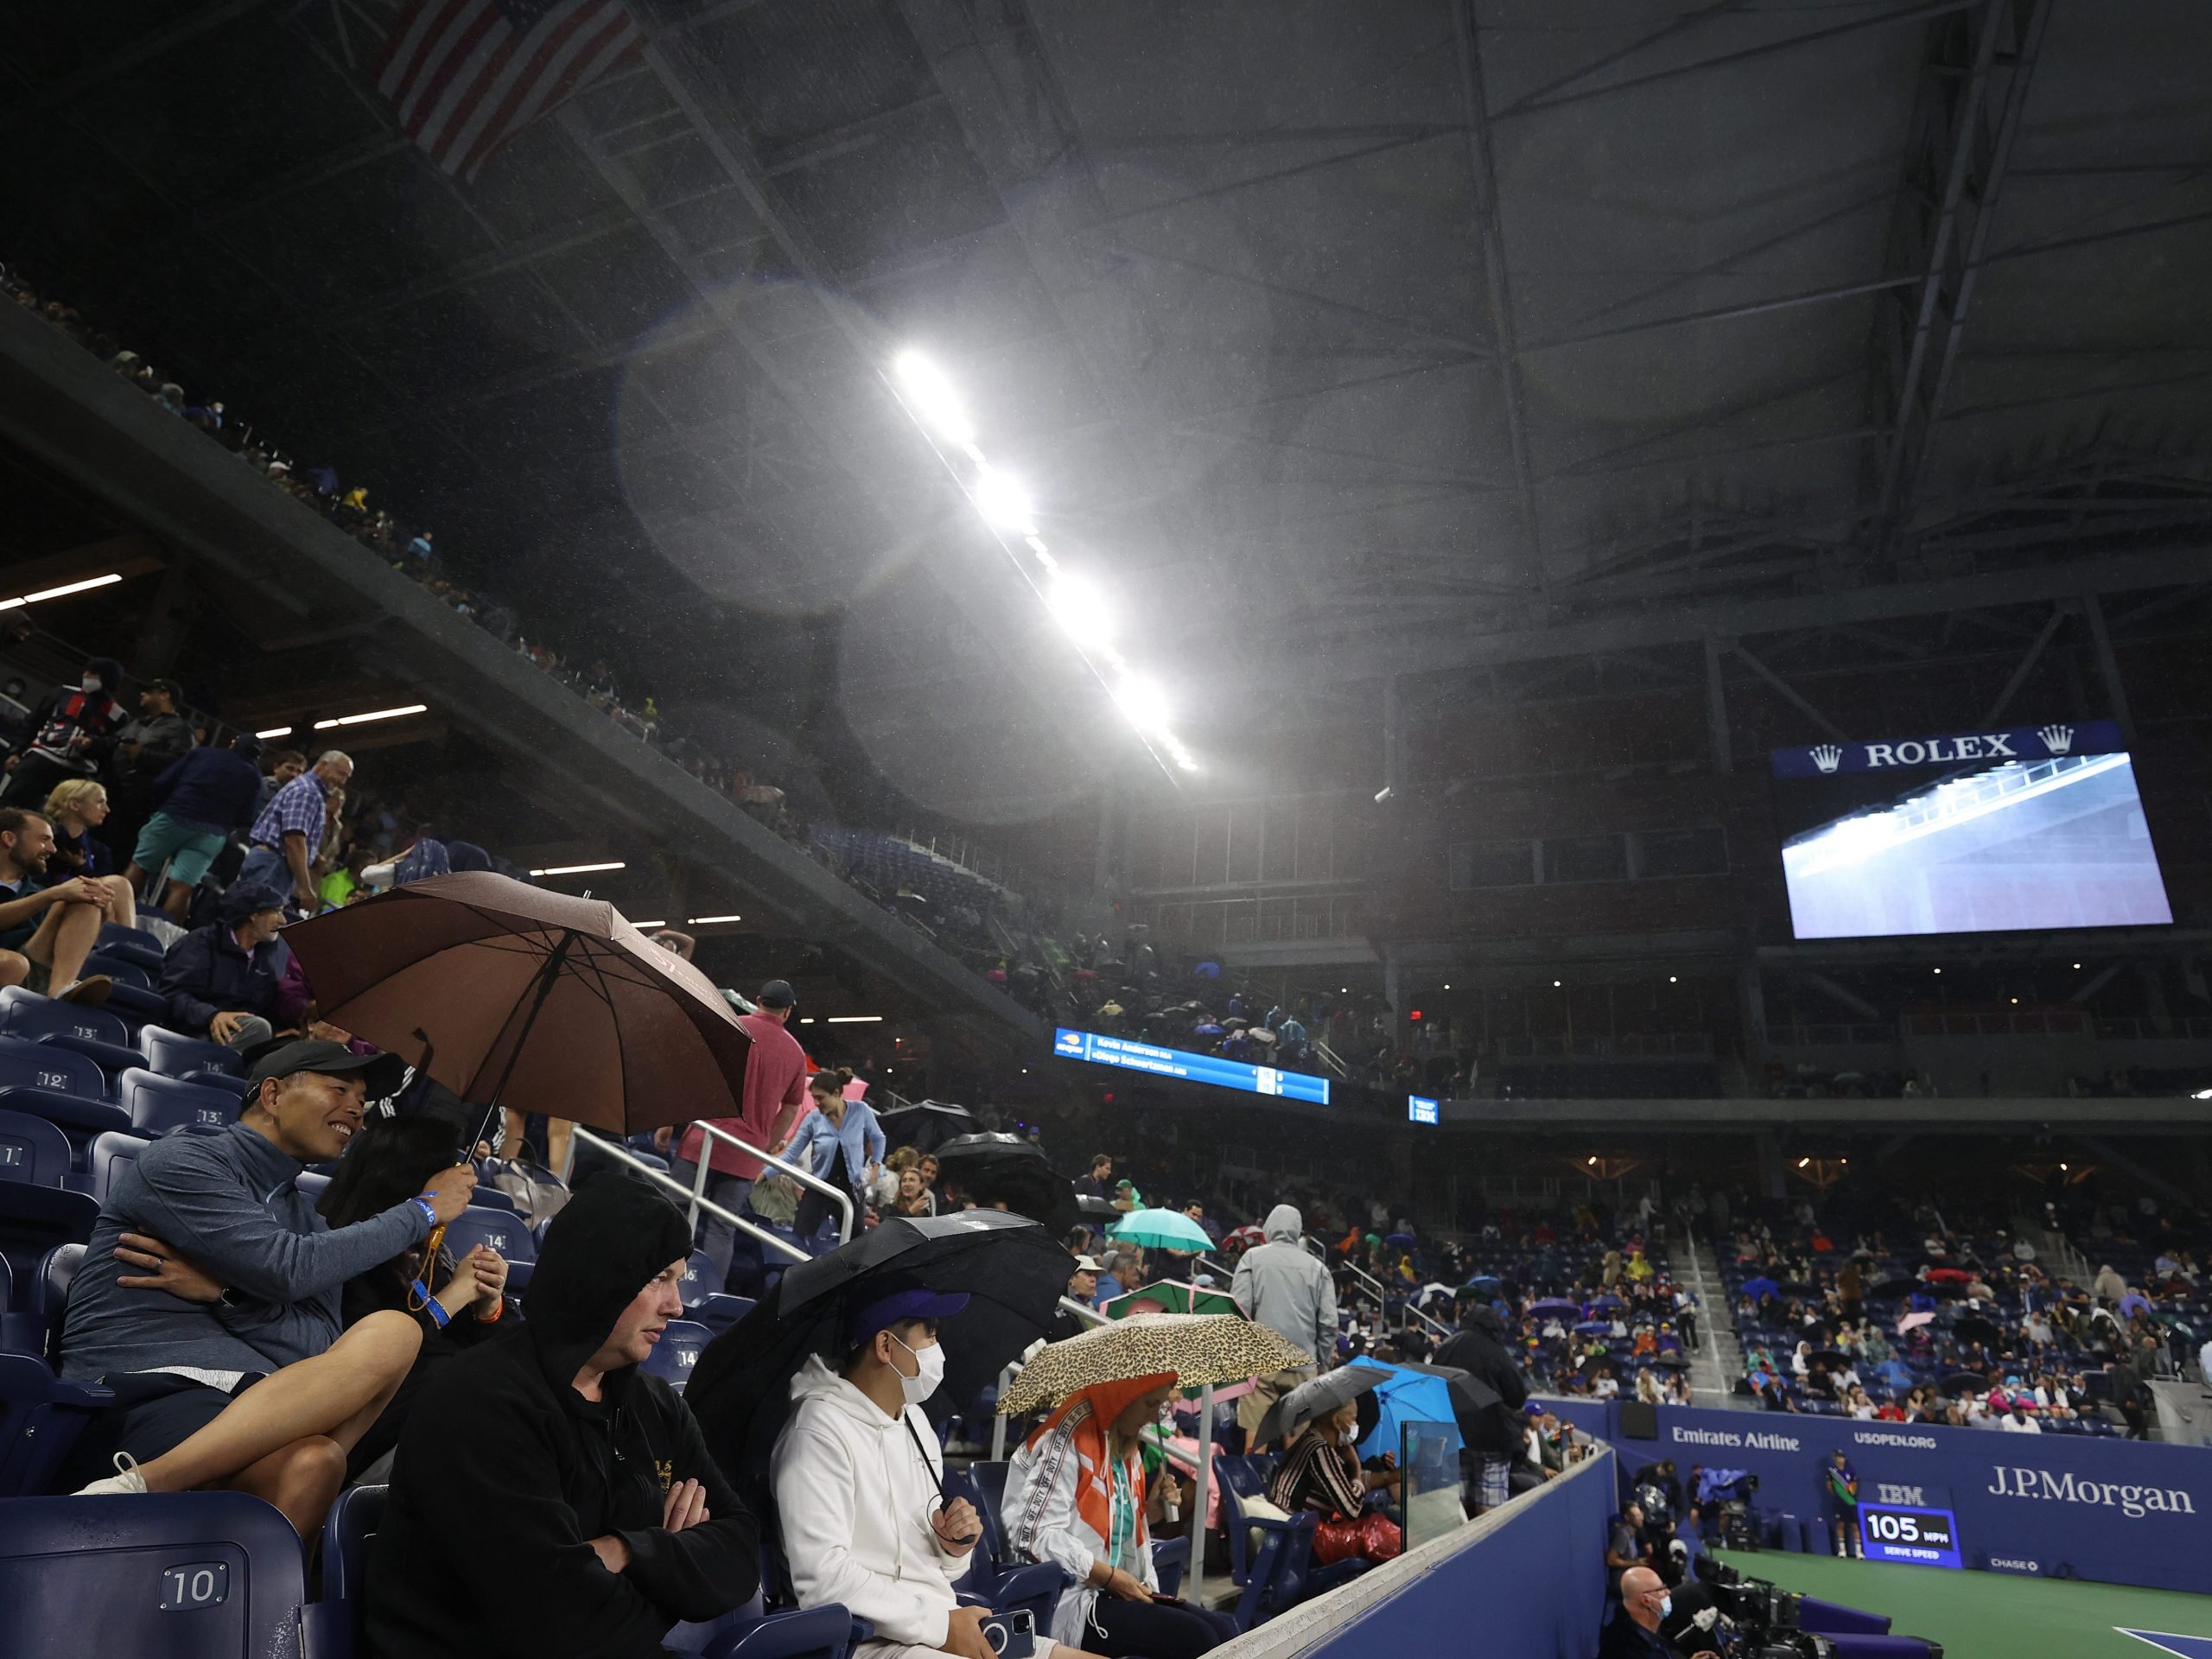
(750, 1633)
(678, 1351)
(334, 1624)
(66, 1090)
(158, 1104)
(132, 944)
(109, 1154)
(501, 1228)
(1279, 1572)
(184, 1575)
(95, 1032)
(698, 1279)
(720, 1311)
(32, 1150)
(41, 1417)
(175, 1055)
(46, 1298)
(120, 969)
(1006, 1585)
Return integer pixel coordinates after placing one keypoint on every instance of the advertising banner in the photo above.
(1134, 1056)
(1950, 748)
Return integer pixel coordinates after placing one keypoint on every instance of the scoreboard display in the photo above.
(1918, 1537)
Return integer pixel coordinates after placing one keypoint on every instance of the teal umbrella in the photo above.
(1160, 1230)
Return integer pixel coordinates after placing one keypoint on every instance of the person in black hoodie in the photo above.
(1494, 1433)
(575, 1490)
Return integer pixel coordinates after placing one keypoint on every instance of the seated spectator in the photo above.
(548, 1496)
(1634, 1631)
(840, 1142)
(197, 801)
(1320, 1472)
(1077, 1497)
(225, 1354)
(222, 980)
(46, 932)
(857, 1474)
(394, 1159)
(76, 808)
(288, 835)
(914, 1198)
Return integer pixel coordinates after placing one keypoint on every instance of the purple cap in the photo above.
(903, 1304)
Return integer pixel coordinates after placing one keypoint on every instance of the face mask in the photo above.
(931, 1378)
(91, 681)
(1666, 1606)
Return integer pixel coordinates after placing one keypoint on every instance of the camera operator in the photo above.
(1634, 1632)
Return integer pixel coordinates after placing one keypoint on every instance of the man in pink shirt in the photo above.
(775, 1095)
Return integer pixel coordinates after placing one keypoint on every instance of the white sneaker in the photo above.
(126, 1478)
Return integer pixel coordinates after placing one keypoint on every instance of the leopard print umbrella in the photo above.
(1199, 1348)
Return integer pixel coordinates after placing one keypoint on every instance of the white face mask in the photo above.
(1666, 1606)
(930, 1377)
(91, 683)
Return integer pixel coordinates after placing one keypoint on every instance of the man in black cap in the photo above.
(144, 749)
(221, 980)
(775, 1095)
(549, 1498)
(208, 1299)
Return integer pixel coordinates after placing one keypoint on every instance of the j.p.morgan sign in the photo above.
(2018, 743)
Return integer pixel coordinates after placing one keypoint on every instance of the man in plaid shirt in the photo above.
(289, 833)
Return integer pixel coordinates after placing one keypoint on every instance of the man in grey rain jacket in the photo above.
(1282, 1284)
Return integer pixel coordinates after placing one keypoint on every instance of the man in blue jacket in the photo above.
(208, 1299)
(221, 980)
(201, 797)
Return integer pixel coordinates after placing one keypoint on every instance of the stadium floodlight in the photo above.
(709, 921)
(63, 592)
(1144, 703)
(1080, 608)
(579, 869)
(276, 731)
(855, 1020)
(2202, 1094)
(1002, 501)
(931, 395)
(373, 714)
(642, 927)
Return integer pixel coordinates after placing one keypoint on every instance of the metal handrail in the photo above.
(1006, 1376)
(614, 1149)
(804, 1178)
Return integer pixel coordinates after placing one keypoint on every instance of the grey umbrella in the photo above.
(1316, 1398)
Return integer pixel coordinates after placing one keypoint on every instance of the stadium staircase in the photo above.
(1718, 1360)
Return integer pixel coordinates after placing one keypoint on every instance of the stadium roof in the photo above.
(1332, 340)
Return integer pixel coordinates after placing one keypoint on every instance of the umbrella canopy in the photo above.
(1889, 1287)
(926, 1125)
(1405, 1396)
(1402, 1241)
(1488, 1284)
(557, 1002)
(1088, 1205)
(1972, 1327)
(1006, 1169)
(1012, 1271)
(1673, 1361)
(1198, 1348)
(1165, 1229)
(1760, 1287)
(1607, 1302)
(1964, 1383)
(1914, 1321)
(1547, 1305)
(1244, 1238)
(1172, 1297)
(1316, 1398)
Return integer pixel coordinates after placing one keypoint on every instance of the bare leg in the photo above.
(337, 1395)
(556, 1146)
(13, 969)
(303, 1479)
(122, 899)
(64, 939)
(511, 1127)
(176, 901)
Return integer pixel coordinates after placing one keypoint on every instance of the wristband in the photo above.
(493, 1317)
(422, 1201)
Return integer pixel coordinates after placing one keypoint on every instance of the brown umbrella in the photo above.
(555, 1002)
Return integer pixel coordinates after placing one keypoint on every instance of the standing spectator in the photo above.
(221, 980)
(1099, 1184)
(199, 799)
(775, 1092)
(1493, 1433)
(840, 1142)
(144, 749)
(46, 932)
(288, 835)
(284, 766)
(70, 734)
(1279, 1284)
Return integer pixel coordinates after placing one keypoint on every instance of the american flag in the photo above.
(467, 75)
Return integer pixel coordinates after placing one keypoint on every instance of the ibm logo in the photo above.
(1827, 756)
(1908, 1495)
(2058, 738)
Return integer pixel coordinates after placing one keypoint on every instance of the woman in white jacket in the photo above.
(1075, 1497)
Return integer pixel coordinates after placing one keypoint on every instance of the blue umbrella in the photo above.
(1760, 1287)
(1485, 1284)
(1593, 1325)
(1553, 1305)
(1402, 1241)
(1407, 1396)
(1607, 1302)
(1208, 970)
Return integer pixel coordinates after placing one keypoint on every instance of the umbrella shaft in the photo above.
(547, 978)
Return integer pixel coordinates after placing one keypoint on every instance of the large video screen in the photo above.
(1134, 1056)
(1977, 832)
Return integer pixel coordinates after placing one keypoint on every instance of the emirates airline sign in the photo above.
(2022, 744)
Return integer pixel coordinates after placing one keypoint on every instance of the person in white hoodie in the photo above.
(856, 1472)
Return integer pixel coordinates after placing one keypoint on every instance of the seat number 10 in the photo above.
(197, 1584)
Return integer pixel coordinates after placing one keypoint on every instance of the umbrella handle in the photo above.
(419, 1299)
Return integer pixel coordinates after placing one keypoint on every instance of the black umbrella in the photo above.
(1964, 1383)
(1972, 1327)
(994, 1168)
(926, 1125)
(1011, 1269)
(1090, 1205)
(1673, 1361)
(1470, 1393)
(1895, 1288)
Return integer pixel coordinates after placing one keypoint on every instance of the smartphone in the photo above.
(1012, 1635)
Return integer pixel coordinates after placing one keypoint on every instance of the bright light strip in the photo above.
(1002, 501)
(934, 398)
(1145, 703)
(276, 731)
(374, 714)
(67, 588)
(855, 1020)
(709, 921)
(579, 870)
(1076, 602)
(642, 927)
